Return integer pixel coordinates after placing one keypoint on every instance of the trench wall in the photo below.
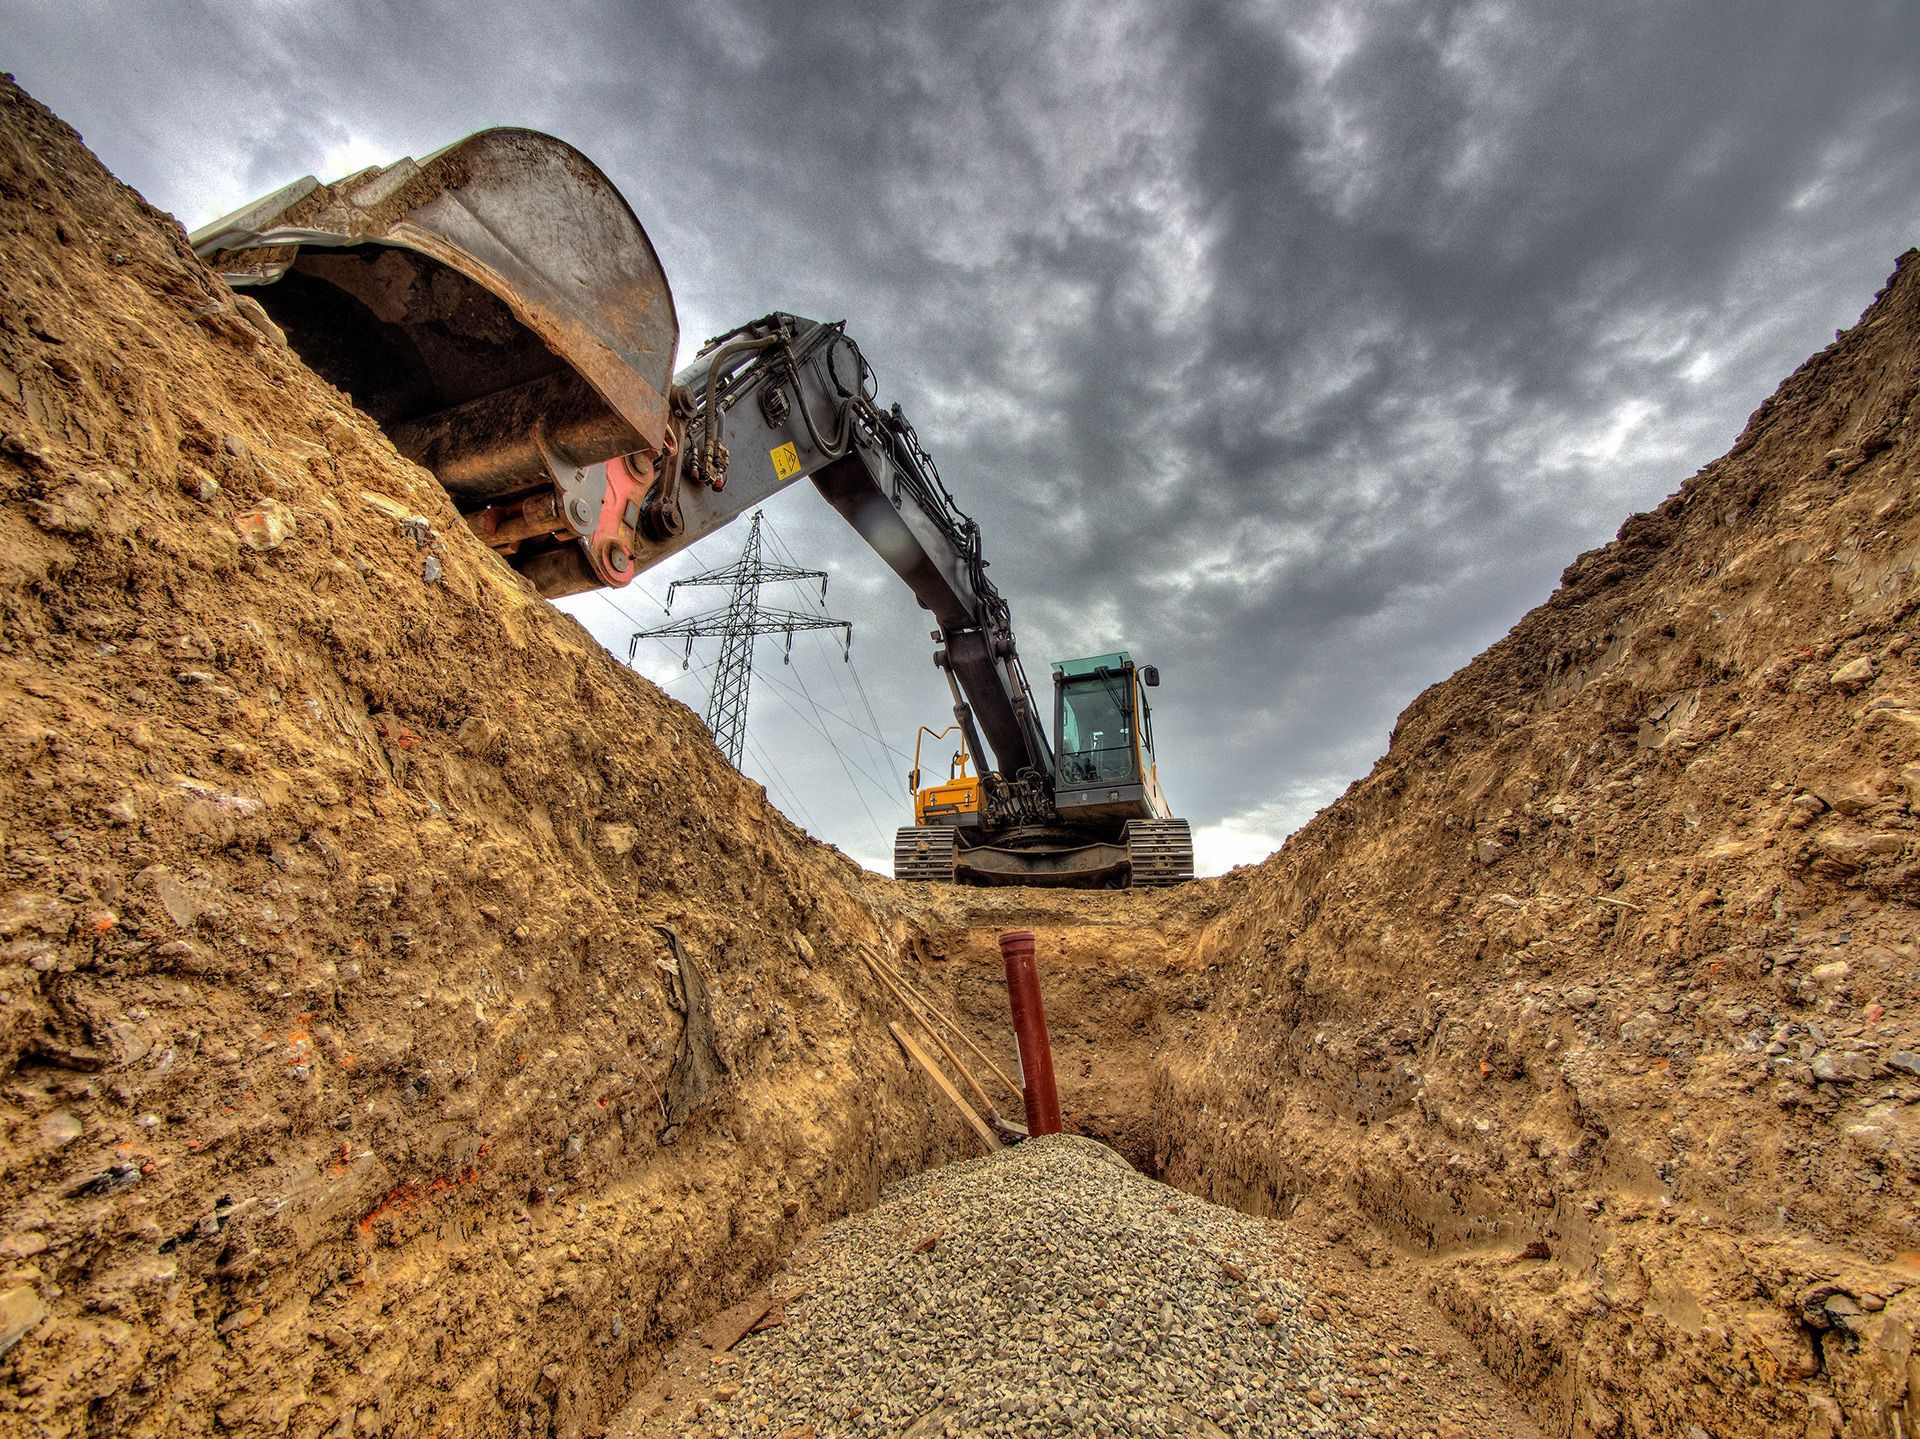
(408, 1023)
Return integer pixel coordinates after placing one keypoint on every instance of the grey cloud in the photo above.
(1297, 348)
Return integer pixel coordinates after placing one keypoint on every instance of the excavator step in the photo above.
(923, 853)
(1161, 851)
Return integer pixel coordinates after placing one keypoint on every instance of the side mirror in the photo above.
(913, 782)
(1150, 677)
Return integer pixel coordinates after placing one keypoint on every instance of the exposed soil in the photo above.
(1614, 954)
(409, 1024)
(347, 1087)
(1125, 976)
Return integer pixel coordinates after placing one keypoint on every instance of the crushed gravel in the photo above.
(1048, 1289)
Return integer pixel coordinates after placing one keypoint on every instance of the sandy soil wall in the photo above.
(407, 1020)
(1594, 1001)
(1590, 1010)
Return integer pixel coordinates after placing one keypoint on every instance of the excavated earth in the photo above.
(409, 1024)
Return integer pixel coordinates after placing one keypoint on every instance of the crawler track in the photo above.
(1162, 852)
(923, 854)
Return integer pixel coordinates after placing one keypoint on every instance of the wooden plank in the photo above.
(730, 1326)
(986, 1102)
(776, 1315)
(920, 1057)
(875, 960)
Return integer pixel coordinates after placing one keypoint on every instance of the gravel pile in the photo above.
(1049, 1289)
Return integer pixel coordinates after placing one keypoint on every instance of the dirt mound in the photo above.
(358, 907)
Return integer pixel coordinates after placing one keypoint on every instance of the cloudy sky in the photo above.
(1295, 348)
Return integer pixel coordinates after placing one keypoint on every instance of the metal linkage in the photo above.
(742, 622)
(785, 397)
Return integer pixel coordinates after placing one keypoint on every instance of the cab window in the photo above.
(1096, 729)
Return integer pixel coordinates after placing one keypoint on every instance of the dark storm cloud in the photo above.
(1297, 348)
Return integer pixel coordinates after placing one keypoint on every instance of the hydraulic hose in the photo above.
(843, 430)
(716, 366)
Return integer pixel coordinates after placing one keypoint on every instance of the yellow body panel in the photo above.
(936, 802)
(958, 794)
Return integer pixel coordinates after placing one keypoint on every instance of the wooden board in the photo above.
(730, 1326)
(920, 1057)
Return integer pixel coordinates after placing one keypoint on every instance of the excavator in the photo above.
(499, 311)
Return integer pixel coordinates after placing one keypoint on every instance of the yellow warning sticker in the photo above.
(786, 461)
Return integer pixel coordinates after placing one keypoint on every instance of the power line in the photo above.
(622, 610)
(877, 734)
(748, 620)
(775, 778)
(876, 746)
(632, 618)
(778, 782)
(827, 711)
(847, 769)
(871, 716)
(872, 737)
(742, 622)
(786, 697)
(686, 669)
(768, 678)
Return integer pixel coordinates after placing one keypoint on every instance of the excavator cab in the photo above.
(1103, 740)
(1104, 820)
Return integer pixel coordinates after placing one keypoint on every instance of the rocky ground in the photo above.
(409, 1024)
(1050, 1289)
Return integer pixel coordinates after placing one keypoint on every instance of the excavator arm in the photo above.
(502, 314)
(497, 308)
(786, 398)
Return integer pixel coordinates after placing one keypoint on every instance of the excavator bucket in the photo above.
(497, 308)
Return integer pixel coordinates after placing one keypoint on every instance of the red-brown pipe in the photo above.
(1030, 1030)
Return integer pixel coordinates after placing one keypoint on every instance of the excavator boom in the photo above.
(497, 308)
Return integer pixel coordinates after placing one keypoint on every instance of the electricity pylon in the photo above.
(741, 623)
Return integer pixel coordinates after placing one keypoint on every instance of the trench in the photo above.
(1584, 1296)
(1124, 992)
